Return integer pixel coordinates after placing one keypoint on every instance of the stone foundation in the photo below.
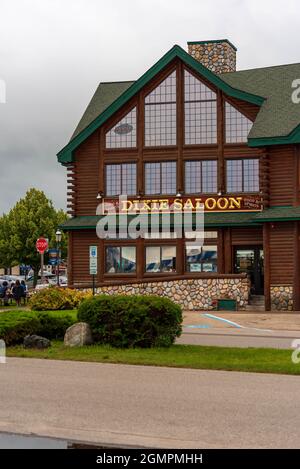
(191, 294)
(281, 298)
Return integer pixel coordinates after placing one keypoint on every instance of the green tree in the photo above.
(32, 217)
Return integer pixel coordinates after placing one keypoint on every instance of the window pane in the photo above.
(120, 259)
(237, 125)
(168, 259)
(201, 259)
(112, 259)
(160, 124)
(160, 114)
(209, 176)
(234, 175)
(201, 122)
(193, 177)
(129, 179)
(153, 259)
(193, 259)
(123, 134)
(160, 178)
(152, 178)
(113, 179)
(168, 177)
(128, 259)
(251, 175)
(121, 179)
(200, 112)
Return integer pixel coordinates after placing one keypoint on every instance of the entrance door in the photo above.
(251, 261)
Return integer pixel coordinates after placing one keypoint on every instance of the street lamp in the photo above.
(58, 236)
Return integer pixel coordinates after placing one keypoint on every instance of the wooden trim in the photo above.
(227, 251)
(221, 140)
(296, 175)
(70, 259)
(296, 276)
(267, 272)
(221, 251)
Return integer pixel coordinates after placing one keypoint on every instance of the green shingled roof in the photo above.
(278, 214)
(211, 219)
(278, 120)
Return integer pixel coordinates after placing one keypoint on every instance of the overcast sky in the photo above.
(53, 54)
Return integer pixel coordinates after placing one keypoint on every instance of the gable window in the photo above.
(120, 179)
(123, 134)
(160, 259)
(120, 259)
(160, 178)
(242, 175)
(160, 114)
(200, 109)
(237, 125)
(200, 177)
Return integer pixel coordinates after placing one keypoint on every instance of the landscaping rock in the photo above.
(36, 341)
(78, 334)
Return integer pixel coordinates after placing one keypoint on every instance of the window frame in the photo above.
(160, 178)
(201, 173)
(106, 164)
(109, 128)
(159, 244)
(242, 191)
(207, 243)
(120, 246)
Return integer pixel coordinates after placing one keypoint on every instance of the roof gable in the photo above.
(66, 154)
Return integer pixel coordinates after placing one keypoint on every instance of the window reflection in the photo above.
(237, 125)
(242, 175)
(160, 259)
(120, 179)
(200, 177)
(201, 259)
(160, 178)
(123, 134)
(120, 259)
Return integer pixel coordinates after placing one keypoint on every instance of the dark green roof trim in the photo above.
(278, 213)
(66, 154)
(293, 137)
(214, 41)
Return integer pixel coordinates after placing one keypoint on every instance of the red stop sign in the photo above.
(41, 245)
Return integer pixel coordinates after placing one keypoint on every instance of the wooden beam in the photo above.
(267, 271)
(296, 275)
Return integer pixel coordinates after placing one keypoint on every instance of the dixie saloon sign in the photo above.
(188, 204)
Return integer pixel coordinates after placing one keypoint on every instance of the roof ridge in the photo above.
(118, 81)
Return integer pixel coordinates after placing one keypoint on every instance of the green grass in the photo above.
(181, 356)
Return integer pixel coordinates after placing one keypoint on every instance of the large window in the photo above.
(120, 259)
(237, 125)
(123, 134)
(242, 175)
(200, 112)
(160, 178)
(201, 258)
(200, 177)
(160, 114)
(160, 259)
(120, 179)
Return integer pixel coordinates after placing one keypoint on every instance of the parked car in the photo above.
(49, 279)
(11, 279)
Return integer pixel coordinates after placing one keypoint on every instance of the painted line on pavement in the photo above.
(234, 324)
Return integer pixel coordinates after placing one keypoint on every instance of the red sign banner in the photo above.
(243, 203)
(41, 245)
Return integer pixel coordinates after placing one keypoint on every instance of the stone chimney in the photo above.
(219, 55)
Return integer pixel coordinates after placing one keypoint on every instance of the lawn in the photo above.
(181, 356)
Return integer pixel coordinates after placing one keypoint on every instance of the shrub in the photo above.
(132, 321)
(15, 325)
(54, 298)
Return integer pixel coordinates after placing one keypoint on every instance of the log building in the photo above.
(192, 130)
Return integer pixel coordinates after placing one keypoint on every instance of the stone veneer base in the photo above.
(281, 298)
(191, 294)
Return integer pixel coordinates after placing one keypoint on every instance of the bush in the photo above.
(54, 298)
(132, 321)
(15, 325)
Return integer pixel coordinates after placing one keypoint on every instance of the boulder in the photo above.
(36, 341)
(78, 334)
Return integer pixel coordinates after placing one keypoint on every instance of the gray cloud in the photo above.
(53, 53)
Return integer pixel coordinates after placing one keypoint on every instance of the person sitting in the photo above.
(17, 292)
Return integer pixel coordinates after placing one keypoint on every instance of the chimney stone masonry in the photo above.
(218, 55)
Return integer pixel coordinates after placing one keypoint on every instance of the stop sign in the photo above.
(41, 245)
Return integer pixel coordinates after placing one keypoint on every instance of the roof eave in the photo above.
(292, 138)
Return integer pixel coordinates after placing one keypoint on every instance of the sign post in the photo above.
(41, 246)
(93, 264)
